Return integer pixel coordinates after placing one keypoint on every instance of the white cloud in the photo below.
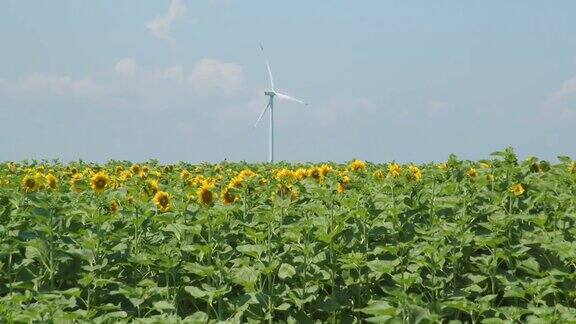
(215, 74)
(59, 85)
(174, 73)
(161, 25)
(126, 67)
(567, 89)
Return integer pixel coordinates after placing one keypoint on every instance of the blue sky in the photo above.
(386, 80)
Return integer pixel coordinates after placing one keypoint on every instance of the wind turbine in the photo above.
(272, 93)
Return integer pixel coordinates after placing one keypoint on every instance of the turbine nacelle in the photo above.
(270, 93)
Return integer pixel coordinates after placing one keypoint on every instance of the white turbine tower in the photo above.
(271, 94)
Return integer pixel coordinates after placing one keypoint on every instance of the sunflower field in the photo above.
(486, 241)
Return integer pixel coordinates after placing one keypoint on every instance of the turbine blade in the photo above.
(269, 69)
(262, 114)
(287, 97)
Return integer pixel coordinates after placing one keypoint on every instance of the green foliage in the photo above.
(334, 243)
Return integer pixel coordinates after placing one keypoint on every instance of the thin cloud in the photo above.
(59, 85)
(126, 67)
(161, 25)
(215, 74)
(567, 89)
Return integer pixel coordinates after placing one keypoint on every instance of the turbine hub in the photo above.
(270, 93)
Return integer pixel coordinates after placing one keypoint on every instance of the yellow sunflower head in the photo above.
(125, 175)
(472, 173)
(324, 169)
(294, 194)
(343, 183)
(205, 196)
(228, 197)
(485, 165)
(415, 172)
(314, 173)
(517, 189)
(185, 174)
(51, 181)
(76, 182)
(198, 180)
(300, 173)
(236, 182)
(284, 176)
(30, 183)
(153, 186)
(135, 169)
(247, 173)
(357, 165)
(162, 201)
(379, 174)
(394, 170)
(113, 207)
(99, 182)
(443, 166)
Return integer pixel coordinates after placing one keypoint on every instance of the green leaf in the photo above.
(379, 308)
(286, 271)
(195, 292)
(163, 305)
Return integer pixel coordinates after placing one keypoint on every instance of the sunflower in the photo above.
(135, 169)
(247, 173)
(51, 181)
(119, 169)
(394, 170)
(572, 168)
(294, 194)
(113, 207)
(357, 165)
(125, 175)
(314, 173)
(227, 197)
(153, 186)
(236, 182)
(343, 184)
(198, 180)
(443, 166)
(517, 189)
(185, 174)
(415, 172)
(324, 169)
(263, 181)
(99, 182)
(162, 201)
(11, 166)
(300, 173)
(379, 175)
(30, 183)
(472, 173)
(205, 196)
(284, 176)
(76, 181)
